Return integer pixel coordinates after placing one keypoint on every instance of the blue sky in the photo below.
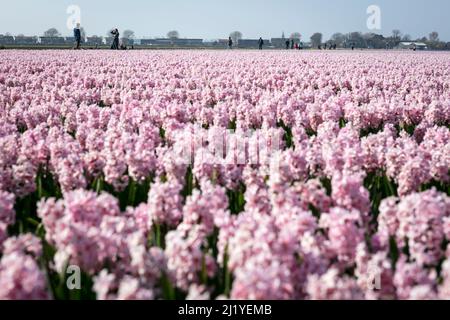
(212, 19)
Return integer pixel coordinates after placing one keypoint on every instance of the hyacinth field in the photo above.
(224, 175)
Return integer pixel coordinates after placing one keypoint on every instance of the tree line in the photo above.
(353, 39)
(378, 41)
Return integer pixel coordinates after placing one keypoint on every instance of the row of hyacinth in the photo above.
(225, 175)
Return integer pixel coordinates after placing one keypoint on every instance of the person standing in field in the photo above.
(230, 43)
(115, 44)
(77, 35)
(287, 44)
(260, 43)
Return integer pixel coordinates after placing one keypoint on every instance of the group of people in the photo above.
(292, 44)
(330, 47)
(115, 34)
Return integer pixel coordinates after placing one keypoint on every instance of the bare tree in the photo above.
(316, 39)
(296, 35)
(52, 32)
(434, 36)
(128, 34)
(236, 36)
(396, 34)
(173, 34)
(356, 39)
(406, 37)
(338, 39)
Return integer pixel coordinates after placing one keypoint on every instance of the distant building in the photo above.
(145, 42)
(278, 42)
(71, 40)
(94, 41)
(156, 42)
(220, 43)
(248, 43)
(251, 43)
(24, 40)
(52, 40)
(187, 42)
(223, 43)
(164, 41)
(172, 42)
(412, 45)
(6, 39)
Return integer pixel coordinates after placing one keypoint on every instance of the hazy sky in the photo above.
(212, 19)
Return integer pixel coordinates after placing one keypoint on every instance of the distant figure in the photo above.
(260, 43)
(77, 35)
(287, 44)
(230, 43)
(115, 44)
(292, 44)
(353, 47)
(414, 48)
(325, 46)
(296, 46)
(320, 47)
(334, 46)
